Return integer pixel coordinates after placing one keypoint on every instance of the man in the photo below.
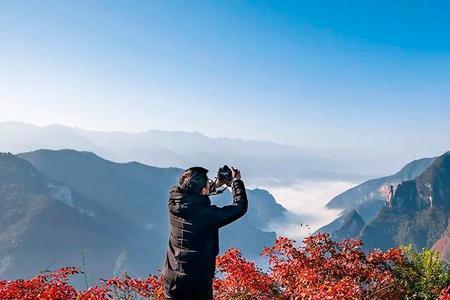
(194, 233)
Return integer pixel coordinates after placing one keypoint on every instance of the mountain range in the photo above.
(59, 206)
(416, 212)
(262, 161)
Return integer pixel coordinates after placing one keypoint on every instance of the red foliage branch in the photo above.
(55, 286)
(324, 269)
(47, 286)
(240, 279)
(445, 294)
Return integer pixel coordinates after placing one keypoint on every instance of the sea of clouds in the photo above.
(305, 201)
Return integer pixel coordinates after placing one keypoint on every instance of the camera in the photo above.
(224, 174)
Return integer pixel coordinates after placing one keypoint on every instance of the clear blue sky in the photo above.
(361, 75)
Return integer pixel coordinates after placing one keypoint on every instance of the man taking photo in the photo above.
(194, 231)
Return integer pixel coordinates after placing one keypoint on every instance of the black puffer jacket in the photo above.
(194, 231)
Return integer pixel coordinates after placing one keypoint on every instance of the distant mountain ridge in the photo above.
(261, 160)
(368, 191)
(367, 199)
(351, 226)
(116, 213)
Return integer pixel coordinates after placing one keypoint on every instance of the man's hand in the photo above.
(220, 183)
(235, 174)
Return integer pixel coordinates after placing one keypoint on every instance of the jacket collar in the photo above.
(178, 194)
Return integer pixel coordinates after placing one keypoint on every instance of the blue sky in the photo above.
(363, 75)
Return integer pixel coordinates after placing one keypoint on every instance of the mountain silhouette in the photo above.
(39, 231)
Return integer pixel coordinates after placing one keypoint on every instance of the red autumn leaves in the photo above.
(318, 269)
(45, 286)
(55, 286)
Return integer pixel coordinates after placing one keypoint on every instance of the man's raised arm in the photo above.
(221, 216)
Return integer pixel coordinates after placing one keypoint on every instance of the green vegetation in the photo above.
(424, 274)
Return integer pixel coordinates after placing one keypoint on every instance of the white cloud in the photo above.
(305, 201)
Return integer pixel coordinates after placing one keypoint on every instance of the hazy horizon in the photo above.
(380, 166)
(180, 130)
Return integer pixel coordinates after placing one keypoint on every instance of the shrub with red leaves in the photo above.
(319, 269)
(134, 288)
(324, 269)
(55, 286)
(240, 279)
(47, 286)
